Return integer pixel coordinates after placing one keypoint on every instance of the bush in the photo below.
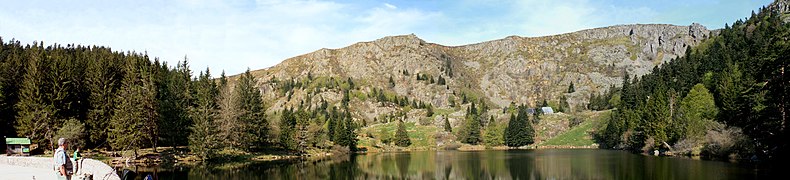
(726, 142)
(575, 121)
(74, 131)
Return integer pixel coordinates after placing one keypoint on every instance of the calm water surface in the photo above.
(512, 164)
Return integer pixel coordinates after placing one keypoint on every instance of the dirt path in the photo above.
(20, 172)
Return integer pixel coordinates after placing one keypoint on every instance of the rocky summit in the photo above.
(499, 72)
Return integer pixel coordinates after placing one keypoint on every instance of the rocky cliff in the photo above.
(498, 72)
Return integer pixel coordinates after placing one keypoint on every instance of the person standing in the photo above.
(63, 166)
(77, 157)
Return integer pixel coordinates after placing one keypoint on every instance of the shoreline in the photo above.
(25, 167)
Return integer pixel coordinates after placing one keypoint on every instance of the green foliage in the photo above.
(345, 134)
(249, 106)
(101, 77)
(74, 131)
(697, 110)
(203, 139)
(494, 134)
(571, 89)
(519, 131)
(743, 66)
(175, 99)
(288, 129)
(471, 130)
(401, 136)
(34, 114)
(391, 82)
(134, 121)
(447, 126)
(563, 106)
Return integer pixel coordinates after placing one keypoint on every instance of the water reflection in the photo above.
(514, 164)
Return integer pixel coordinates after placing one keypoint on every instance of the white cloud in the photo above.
(388, 5)
(233, 35)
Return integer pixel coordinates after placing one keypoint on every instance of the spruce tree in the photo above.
(519, 131)
(203, 138)
(33, 112)
(175, 98)
(133, 124)
(571, 89)
(100, 80)
(563, 104)
(401, 136)
(447, 127)
(287, 129)
(472, 130)
(249, 104)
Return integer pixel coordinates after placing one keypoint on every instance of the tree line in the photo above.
(726, 96)
(101, 98)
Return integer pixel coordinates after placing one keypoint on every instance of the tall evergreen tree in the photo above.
(34, 114)
(287, 129)
(133, 124)
(101, 82)
(175, 96)
(249, 104)
(447, 126)
(204, 133)
(519, 131)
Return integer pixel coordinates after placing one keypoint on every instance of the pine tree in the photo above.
(472, 129)
(494, 134)
(133, 124)
(101, 81)
(563, 104)
(228, 122)
(249, 104)
(392, 82)
(571, 89)
(401, 136)
(204, 133)
(519, 131)
(33, 112)
(287, 129)
(447, 127)
(175, 98)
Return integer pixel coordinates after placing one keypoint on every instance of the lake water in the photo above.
(512, 164)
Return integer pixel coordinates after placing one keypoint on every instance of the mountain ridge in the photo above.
(646, 45)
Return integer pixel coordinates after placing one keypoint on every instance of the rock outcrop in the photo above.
(513, 69)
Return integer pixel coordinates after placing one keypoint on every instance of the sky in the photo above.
(235, 35)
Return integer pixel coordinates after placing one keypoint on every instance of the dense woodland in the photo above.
(126, 101)
(725, 98)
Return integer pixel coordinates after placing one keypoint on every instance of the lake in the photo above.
(493, 164)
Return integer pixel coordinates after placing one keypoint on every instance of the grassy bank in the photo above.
(380, 137)
(579, 135)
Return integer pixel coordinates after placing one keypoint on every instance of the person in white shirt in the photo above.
(63, 166)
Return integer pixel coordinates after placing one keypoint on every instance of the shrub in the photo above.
(723, 142)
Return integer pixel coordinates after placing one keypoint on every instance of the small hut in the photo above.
(547, 110)
(17, 146)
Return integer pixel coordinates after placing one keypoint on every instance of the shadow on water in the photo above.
(512, 164)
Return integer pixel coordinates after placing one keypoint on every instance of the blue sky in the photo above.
(237, 34)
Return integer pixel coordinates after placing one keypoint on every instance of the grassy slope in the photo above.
(421, 136)
(579, 135)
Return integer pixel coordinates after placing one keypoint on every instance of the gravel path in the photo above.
(19, 172)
